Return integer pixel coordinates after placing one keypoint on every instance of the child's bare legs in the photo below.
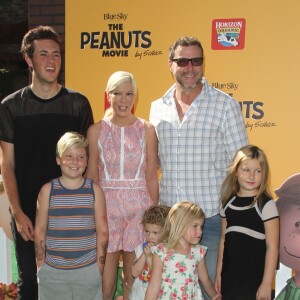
(128, 260)
(110, 275)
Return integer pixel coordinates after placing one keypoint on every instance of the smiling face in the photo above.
(73, 162)
(290, 237)
(122, 100)
(188, 77)
(45, 61)
(194, 232)
(249, 175)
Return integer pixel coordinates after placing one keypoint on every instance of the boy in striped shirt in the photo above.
(71, 233)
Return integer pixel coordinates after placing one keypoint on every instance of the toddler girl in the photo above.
(178, 262)
(153, 222)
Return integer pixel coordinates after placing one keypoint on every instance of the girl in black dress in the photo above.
(248, 250)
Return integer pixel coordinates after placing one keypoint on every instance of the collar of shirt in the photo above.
(168, 97)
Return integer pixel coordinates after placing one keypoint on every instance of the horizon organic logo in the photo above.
(228, 34)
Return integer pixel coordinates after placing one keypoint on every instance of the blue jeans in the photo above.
(210, 239)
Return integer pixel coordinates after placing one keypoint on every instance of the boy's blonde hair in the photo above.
(180, 218)
(156, 215)
(71, 140)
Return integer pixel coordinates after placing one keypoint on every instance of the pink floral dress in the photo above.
(122, 165)
(180, 273)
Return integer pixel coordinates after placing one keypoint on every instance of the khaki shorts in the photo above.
(77, 284)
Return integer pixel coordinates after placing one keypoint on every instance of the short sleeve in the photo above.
(202, 250)
(138, 250)
(86, 116)
(6, 123)
(222, 213)
(160, 251)
(269, 211)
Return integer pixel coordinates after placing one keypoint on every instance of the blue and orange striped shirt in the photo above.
(71, 232)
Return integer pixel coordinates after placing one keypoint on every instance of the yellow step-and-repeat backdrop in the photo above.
(251, 52)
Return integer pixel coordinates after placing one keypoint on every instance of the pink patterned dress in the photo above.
(180, 273)
(122, 168)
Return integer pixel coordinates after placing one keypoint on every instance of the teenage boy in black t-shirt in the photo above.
(32, 121)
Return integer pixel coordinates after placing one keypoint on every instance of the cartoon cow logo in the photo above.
(227, 40)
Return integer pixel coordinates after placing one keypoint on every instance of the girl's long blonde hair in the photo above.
(180, 217)
(231, 185)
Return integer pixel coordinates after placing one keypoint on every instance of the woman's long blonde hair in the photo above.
(231, 185)
(180, 217)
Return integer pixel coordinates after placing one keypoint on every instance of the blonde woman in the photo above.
(123, 159)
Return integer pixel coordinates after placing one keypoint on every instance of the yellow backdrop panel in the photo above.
(259, 69)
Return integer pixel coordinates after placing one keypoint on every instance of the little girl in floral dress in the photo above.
(181, 257)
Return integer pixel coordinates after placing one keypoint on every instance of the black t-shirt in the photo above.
(34, 126)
